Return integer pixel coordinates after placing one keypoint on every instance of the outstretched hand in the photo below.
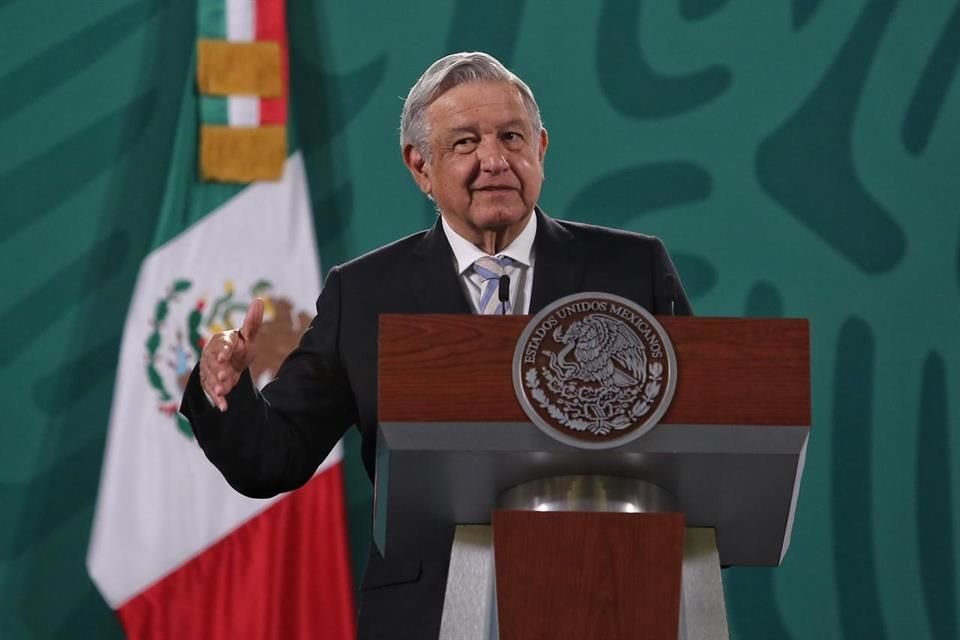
(227, 354)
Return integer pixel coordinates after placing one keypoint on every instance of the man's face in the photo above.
(486, 164)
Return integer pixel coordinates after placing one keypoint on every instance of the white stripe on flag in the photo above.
(241, 20)
(243, 111)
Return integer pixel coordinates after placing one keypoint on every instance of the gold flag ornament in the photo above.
(242, 87)
(242, 154)
(239, 68)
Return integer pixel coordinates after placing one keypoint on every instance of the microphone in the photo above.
(504, 292)
(670, 290)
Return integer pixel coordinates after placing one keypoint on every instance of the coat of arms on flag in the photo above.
(184, 318)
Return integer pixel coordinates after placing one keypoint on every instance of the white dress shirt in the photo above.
(465, 253)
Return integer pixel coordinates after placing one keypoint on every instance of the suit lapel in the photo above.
(436, 286)
(559, 267)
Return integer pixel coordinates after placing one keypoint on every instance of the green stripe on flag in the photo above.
(213, 110)
(211, 19)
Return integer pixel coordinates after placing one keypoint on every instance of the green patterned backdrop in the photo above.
(799, 158)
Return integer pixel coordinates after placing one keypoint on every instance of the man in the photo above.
(472, 138)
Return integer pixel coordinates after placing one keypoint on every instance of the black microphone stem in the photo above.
(504, 292)
(670, 288)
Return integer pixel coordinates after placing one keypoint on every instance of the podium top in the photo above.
(732, 371)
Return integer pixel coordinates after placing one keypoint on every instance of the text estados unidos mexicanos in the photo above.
(586, 306)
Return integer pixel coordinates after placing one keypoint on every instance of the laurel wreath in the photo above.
(650, 390)
(607, 424)
(160, 313)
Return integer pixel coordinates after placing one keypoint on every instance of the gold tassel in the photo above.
(234, 154)
(247, 68)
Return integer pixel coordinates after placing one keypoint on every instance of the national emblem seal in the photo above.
(594, 370)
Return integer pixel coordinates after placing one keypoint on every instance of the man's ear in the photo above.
(418, 167)
(544, 141)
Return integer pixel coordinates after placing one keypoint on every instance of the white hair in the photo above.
(445, 74)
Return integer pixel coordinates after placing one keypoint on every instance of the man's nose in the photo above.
(492, 157)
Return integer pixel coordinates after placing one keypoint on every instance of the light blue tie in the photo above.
(490, 269)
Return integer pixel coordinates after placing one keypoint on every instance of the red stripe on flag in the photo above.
(282, 575)
(272, 25)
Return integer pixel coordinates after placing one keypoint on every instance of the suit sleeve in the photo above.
(668, 293)
(273, 441)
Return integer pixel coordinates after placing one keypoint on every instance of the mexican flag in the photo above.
(174, 550)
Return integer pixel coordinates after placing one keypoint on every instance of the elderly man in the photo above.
(472, 138)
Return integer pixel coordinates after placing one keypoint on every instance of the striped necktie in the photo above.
(490, 269)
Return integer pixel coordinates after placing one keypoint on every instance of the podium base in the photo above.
(469, 611)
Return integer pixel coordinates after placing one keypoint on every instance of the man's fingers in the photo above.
(241, 348)
(211, 381)
(252, 321)
(223, 382)
(208, 372)
(223, 360)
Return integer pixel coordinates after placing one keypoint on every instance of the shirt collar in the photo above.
(465, 253)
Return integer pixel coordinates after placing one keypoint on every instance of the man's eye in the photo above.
(465, 145)
(512, 137)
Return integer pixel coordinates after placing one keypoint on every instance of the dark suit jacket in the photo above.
(273, 442)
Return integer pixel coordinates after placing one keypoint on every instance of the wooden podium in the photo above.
(728, 454)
